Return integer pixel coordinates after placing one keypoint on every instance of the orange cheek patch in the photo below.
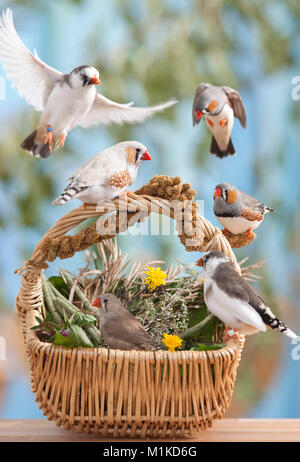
(130, 154)
(231, 197)
(212, 106)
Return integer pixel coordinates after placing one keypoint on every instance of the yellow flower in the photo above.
(155, 277)
(172, 341)
(202, 280)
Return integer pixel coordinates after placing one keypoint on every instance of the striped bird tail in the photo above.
(69, 192)
(276, 324)
(268, 209)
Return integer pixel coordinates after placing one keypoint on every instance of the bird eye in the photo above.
(225, 194)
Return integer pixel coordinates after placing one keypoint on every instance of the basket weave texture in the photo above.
(123, 393)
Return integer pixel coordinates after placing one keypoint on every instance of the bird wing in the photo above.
(89, 164)
(237, 104)
(199, 90)
(128, 329)
(252, 203)
(137, 333)
(33, 79)
(233, 311)
(106, 111)
(237, 297)
(90, 177)
(252, 215)
(103, 169)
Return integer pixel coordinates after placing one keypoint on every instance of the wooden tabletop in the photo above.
(224, 431)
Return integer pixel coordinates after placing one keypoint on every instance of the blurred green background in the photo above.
(148, 51)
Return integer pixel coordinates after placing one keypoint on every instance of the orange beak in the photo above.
(146, 156)
(198, 115)
(95, 80)
(199, 262)
(218, 193)
(97, 303)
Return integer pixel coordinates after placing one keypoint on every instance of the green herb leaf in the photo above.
(208, 346)
(89, 319)
(196, 316)
(59, 284)
(76, 338)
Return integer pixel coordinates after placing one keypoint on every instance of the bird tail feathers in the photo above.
(276, 324)
(268, 209)
(34, 147)
(70, 192)
(214, 149)
(289, 333)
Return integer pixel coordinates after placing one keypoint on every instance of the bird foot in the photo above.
(61, 141)
(49, 137)
(229, 334)
(223, 123)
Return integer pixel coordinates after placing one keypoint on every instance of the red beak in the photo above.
(198, 115)
(218, 193)
(97, 303)
(146, 156)
(199, 262)
(95, 80)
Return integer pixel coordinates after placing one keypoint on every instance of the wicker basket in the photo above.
(124, 393)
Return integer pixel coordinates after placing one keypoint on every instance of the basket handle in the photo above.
(55, 243)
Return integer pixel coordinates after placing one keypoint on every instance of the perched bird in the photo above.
(218, 106)
(106, 175)
(237, 211)
(229, 297)
(119, 328)
(66, 100)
